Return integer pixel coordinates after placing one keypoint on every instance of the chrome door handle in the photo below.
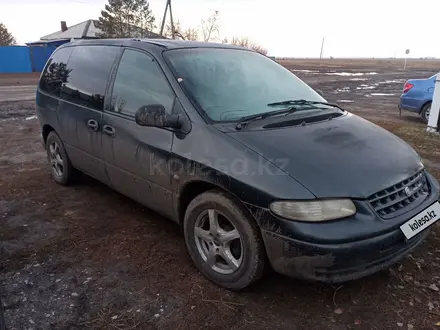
(109, 130)
(93, 124)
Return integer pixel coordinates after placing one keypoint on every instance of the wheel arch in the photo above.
(193, 189)
(255, 265)
(45, 131)
(424, 105)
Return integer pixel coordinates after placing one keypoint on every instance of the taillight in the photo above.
(407, 87)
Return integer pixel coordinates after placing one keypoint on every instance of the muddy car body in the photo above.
(255, 165)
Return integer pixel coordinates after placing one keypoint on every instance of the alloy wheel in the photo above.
(56, 159)
(218, 242)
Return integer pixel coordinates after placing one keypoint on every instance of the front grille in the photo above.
(401, 197)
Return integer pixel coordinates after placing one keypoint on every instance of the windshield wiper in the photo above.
(263, 115)
(304, 102)
(291, 109)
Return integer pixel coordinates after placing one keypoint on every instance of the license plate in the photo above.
(421, 221)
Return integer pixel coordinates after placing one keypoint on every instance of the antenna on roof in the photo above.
(173, 34)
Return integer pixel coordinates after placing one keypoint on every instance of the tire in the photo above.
(425, 112)
(247, 251)
(61, 168)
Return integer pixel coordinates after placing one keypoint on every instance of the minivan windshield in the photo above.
(228, 84)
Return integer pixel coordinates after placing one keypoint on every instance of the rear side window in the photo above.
(89, 69)
(56, 72)
(139, 81)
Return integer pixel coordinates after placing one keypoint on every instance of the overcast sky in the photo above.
(352, 28)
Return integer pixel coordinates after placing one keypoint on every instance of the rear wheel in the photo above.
(61, 168)
(224, 241)
(425, 112)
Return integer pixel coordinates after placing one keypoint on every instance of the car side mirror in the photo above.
(155, 115)
(320, 92)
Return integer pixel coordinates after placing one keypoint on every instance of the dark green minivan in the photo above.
(258, 169)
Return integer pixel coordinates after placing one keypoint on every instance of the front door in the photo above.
(81, 106)
(137, 157)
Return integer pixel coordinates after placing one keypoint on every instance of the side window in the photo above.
(89, 68)
(139, 81)
(56, 72)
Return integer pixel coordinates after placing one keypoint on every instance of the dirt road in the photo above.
(17, 93)
(18, 87)
(87, 257)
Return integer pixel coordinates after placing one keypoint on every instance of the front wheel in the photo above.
(224, 241)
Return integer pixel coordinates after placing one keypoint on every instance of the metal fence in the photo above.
(15, 59)
(31, 58)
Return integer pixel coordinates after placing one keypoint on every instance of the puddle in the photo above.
(364, 86)
(31, 117)
(359, 79)
(306, 71)
(345, 101)
(350, 73)
(381, 94)
(395, 81)
(343, 90)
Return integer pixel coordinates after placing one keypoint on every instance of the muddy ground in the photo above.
(87, 257)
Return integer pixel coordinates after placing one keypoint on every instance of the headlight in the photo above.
(315, 210)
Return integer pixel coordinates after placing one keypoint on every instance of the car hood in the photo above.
(345, 157)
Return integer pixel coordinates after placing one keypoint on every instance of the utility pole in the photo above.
(173, 32)
(322, 48)
(406, 58)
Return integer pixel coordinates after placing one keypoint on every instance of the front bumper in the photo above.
(340, 250)
(339, 262)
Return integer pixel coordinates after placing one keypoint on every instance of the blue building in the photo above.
(33, 56)
(41, 50)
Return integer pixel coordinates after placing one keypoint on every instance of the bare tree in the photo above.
(245, 42)
(180, 32)
(208, 30)
(6, 38)
(211, 27)
(187, 34)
